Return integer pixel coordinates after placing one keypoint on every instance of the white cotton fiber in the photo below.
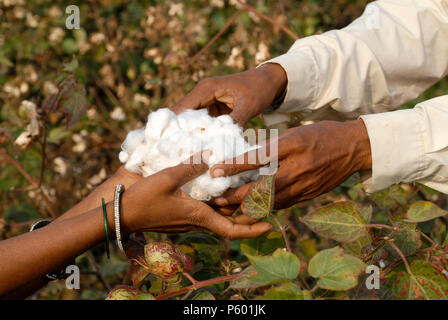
(168, 139)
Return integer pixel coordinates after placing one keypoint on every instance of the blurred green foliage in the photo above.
(133, 57)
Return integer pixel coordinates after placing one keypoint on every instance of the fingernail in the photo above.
(221, 202)
(218, 173)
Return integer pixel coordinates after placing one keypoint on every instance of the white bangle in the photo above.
(118, 190)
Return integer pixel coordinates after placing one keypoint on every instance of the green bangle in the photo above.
(106, 228)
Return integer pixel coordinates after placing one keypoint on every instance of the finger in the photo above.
(188, 170)
(233, 196)
(243, 219)
(230, 229)
(225, 211)
(239, 113)
(218, 108)
(248, 161)
(200, 97)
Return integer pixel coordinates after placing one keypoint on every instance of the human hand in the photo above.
(243, 95)
(313, 160)
(156, 203)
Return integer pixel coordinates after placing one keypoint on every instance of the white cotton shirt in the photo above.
(387, 57)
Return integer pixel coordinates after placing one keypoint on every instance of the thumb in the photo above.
(187, 170)
(251, 160)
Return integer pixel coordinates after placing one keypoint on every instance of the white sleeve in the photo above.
(409, 145)
(385, 58)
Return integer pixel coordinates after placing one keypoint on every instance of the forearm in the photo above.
(30, 256)
(105, 190)
(92, 201)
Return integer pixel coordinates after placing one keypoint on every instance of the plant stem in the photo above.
(282, 230)
(270, 20)
(382, 226)
(400, 253)
(44, 156)
(197, 285)
(7, 158)
(98, 273)
(189, 277)
(216, 36)
(434, 244)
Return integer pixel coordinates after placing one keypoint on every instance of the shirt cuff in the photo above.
(301, 71)
(397, 147)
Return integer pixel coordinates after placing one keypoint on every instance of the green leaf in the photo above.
(209, 253)
(204, 295)
(57, 134)
(340, 221)
(439, 231)
(356, 247)
(264, 245)
(426, 282)
(73, 103)
(128, 293)
(281, 265)
(423, 211)
(407, 239)
(71, 66)
(366, 212)
(286, 291)
(244, 279)
(260, 201)
(335, 269)
(392, 197)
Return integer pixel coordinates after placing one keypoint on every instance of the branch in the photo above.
(400, 253)
(216, 36)
(44, 156)
(434, 244)
(383, 226)
(198, 285)
(282, 230)
(6, 158)
(270, 20)
(98, 273)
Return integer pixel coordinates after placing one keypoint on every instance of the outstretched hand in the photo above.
(242, 95)
(157, 203)
(313, 160)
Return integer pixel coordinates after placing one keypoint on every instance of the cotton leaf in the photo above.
(425, 283)
(335, 269)
(281, 265)
(340, 221)
(423, 211)
(260, 201)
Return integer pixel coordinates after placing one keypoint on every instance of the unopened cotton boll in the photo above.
(169, 139)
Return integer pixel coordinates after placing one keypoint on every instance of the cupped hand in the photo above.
(156, 203)
(312, 159)
(243, 95)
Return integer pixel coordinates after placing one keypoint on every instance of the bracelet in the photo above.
(105, 227)
(118, 190)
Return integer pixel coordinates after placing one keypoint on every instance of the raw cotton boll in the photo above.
(169, 139)
(157, 123)
(132, 141)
